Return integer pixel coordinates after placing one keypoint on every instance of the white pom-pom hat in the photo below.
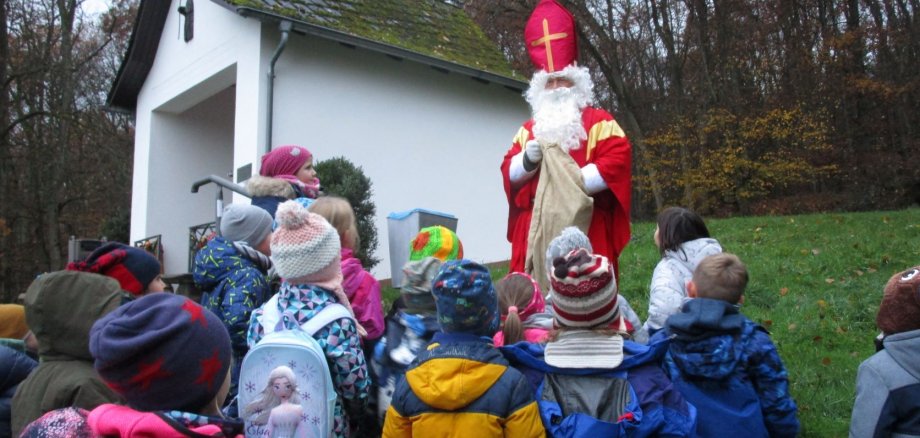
(305, 248)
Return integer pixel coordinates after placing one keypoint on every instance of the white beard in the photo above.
(557, 118)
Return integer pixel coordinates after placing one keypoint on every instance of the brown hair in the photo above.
(338, 212)
(721, 277)
(677, 225)
(513, 290)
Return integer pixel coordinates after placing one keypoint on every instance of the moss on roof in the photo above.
(429, 27)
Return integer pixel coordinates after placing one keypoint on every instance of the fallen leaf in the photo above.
(841, 330)
(792, 327)
(783, 291)
(859, 273)
(822, 304)
(767, 323)
(872, 270)
(826, 361)
(829, 280)
(816, 251)
(886, 219)
(854, 354)
(757, 230)
(817, 338)
(804, 252)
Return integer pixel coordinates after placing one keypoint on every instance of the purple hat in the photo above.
(162, 352)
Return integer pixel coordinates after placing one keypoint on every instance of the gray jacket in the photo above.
(668, 290)
(888, 390)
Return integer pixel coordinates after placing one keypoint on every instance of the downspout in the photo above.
(285, 33)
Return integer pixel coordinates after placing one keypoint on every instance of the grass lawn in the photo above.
(815, 283)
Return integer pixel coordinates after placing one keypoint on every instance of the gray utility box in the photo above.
(402, 227)
(79, 249)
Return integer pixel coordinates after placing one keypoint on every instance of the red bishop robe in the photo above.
(609, 149)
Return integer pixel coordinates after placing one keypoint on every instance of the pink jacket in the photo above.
(122, 421)
(363, 291)
(532, 335)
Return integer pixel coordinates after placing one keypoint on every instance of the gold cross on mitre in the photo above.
(546, 39)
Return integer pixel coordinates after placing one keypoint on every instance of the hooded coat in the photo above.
(888, 389)
(267, 192)
(61, 308)
(668, 290)
(726, 365)
(461, 385)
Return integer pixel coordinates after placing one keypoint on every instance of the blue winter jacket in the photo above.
(232, 287)
(663, 411)
(726, 365)
(15, 366)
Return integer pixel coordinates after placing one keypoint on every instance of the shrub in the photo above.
(341, 177)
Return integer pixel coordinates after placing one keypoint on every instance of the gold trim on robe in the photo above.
(601, 131)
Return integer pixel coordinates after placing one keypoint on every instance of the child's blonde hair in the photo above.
(338, 212)
(721, 277)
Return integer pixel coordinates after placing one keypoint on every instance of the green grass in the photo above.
(815, 283)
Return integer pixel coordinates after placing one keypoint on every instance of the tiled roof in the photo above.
(433, 28)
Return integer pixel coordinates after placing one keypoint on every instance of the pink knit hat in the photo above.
(284, 160)
(305, 248)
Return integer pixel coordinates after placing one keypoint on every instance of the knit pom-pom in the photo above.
(291, 215)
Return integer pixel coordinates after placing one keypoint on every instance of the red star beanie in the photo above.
(162, 352)
(133, 267)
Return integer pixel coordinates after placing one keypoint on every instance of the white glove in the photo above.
(533, 151)
(594, 182)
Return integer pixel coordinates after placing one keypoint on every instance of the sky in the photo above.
(93, 7)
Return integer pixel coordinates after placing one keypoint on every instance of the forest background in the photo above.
(737, 108)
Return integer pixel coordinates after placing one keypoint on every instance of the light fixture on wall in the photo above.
(188, 11)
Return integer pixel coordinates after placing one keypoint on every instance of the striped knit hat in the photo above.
(305, 248)
(584, 290)
(438, 242)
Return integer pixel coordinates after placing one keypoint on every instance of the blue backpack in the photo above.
(636, 399)
(292, 346)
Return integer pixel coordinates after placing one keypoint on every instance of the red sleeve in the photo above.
(519, 198)
(613, 157)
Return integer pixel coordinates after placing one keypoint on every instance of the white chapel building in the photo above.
(419, 98)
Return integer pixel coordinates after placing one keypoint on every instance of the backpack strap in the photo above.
(270, 314)
(331, 312)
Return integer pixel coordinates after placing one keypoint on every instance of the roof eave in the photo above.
(142, 49)
(398, 52)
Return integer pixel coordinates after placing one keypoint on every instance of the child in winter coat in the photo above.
(137, 271)
(361, 288)
(888, 383)
(170, 359)
(412, 321)
(523, 312)
(461, 379)
(572, 238)
(589, 380)
(232, 273)
(61, 307)
(286, 173)
(683, 240)
(307, 255)
(724, 363)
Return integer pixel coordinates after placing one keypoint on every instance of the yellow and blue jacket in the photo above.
(462, 386)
